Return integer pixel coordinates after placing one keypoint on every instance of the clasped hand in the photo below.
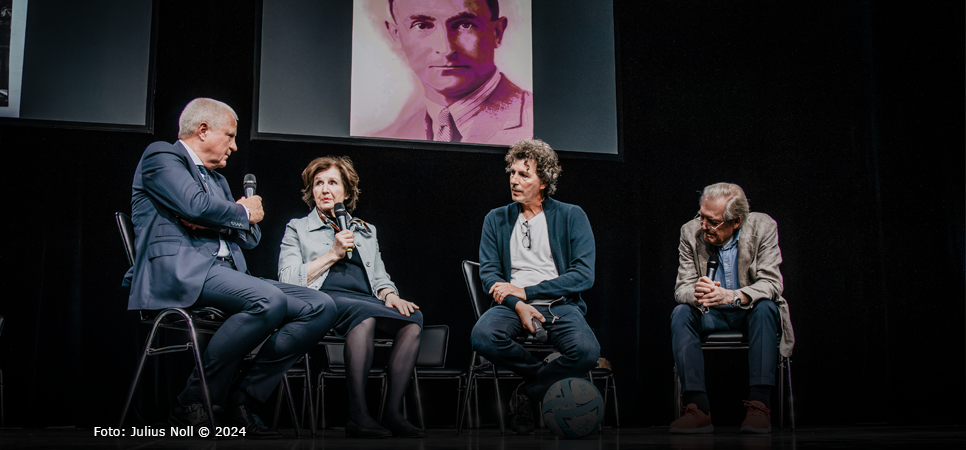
(710, 293)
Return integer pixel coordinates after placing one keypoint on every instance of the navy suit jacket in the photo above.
(172, 261)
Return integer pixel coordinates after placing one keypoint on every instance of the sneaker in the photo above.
(757, 419)
(521, 421)
(693, 421)
(193, 415)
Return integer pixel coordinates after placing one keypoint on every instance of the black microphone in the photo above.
(342, 214)
(712, 268)
(249, 185)
(539, 331)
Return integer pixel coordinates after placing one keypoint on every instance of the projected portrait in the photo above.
(6, 17)
(442, 70)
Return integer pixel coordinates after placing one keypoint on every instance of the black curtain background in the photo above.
(842, 120)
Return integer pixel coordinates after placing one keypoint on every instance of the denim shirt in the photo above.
(309, 237)
(727, 275)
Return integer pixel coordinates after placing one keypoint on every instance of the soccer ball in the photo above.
(572, 408)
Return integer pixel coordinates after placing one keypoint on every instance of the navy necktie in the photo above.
(205, 175)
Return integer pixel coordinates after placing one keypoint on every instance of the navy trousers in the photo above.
(761, 325)
(493, 338)
(293, 318)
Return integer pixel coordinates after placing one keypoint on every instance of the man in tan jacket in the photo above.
(743, 294)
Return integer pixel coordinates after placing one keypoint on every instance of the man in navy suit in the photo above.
(189, 233)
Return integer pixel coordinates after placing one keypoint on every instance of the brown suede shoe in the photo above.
(757, 419)
(693, 421)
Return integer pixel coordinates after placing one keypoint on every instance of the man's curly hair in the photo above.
(539, 152)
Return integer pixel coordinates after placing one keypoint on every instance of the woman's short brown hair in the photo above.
(350, 179)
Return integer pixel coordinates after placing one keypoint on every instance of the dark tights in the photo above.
(358, 360)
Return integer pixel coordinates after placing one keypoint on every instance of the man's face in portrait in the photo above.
(449, 44)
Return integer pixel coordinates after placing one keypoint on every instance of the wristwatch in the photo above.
(737, 303)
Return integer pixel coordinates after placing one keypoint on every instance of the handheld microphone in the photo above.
(712, 268)
(342, 214)
(249, 185)
(539, 331)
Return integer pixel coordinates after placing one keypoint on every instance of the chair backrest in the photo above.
(474, 285)
(334, 354)
(126, 228)
(433, 344)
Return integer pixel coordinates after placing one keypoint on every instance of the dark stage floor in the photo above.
(655, 437)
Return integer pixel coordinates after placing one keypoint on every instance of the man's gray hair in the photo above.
(737, 205)
(540, 154)
(201, 110)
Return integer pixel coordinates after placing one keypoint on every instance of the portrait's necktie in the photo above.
(444, 126)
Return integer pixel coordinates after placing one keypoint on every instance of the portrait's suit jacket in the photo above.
(171, 260)
(506, 116)
(758, 273)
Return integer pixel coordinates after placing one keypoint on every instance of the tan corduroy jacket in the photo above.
(758, 274)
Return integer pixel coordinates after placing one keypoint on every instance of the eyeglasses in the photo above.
(526, 234)
(702, 220)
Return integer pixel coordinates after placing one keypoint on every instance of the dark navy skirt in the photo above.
(356, 307)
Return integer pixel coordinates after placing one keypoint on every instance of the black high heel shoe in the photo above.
(404, 429)
(372, 431)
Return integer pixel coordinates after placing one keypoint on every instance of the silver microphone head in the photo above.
(249, 181)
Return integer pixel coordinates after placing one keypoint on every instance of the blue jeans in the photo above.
(492, 338)
(760, 324)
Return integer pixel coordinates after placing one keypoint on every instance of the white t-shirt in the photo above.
(533, 263)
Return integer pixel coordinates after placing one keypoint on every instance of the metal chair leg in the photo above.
(320, 401)
(470, 380)
(201, 372)
(137, 374)
(617, 409)
(781, 394)
(192, 345)
(291, 407)
(499, 398)
(382, 399)
(791, 392)
(677, 394)
(476, 405)
(603, 412)
(307, 389)
(459, 397)
(419, 400)
(278, 407)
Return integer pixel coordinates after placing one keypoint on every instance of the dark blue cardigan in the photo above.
(571, 244)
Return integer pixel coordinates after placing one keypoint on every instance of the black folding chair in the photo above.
(431, 364)
(479, 366)
(736, 340)
(193, 320)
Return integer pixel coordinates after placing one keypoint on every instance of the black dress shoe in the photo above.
(241, 417)
(404, 429)
(371, 430)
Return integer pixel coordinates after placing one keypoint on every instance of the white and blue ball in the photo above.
(572, 408)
